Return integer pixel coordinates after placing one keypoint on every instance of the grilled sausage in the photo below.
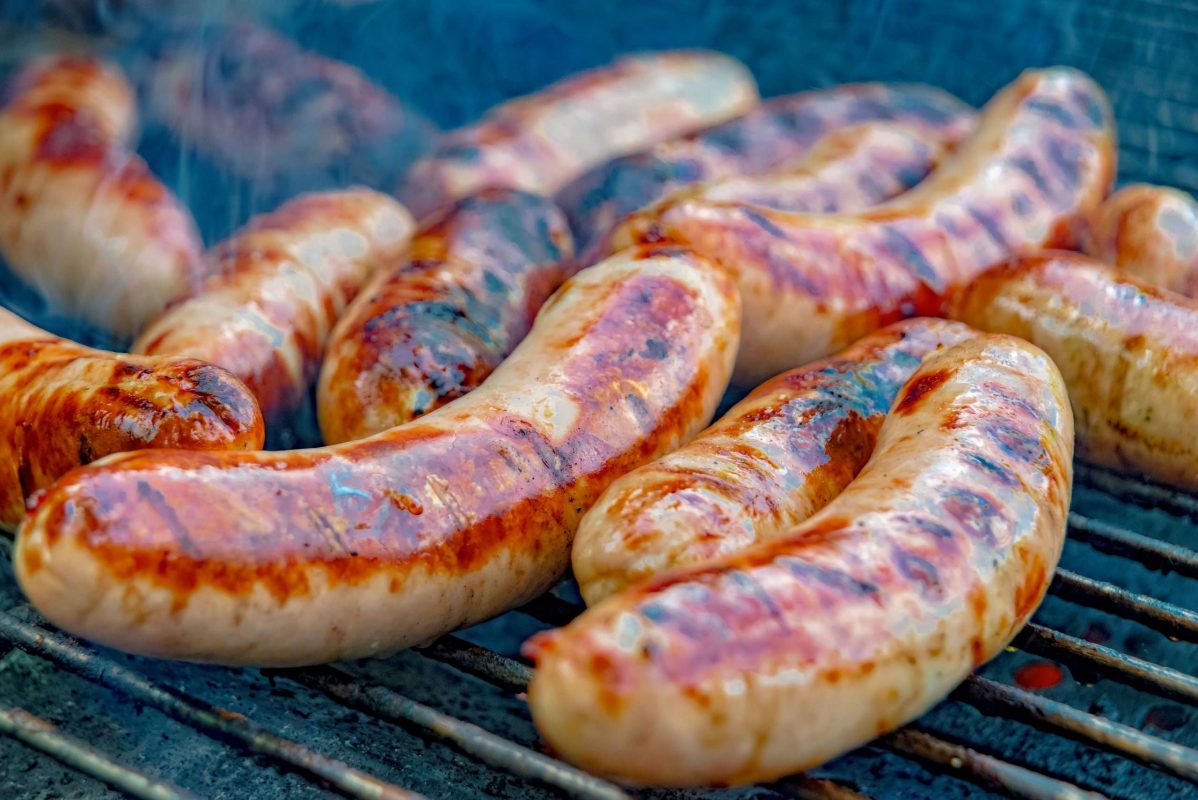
(847, 170)
(278, 286)
(1127, 352)
(362, 548)
(779, 658)
(432, 329)
(770, 137)
(1039, 162)
(776, 458)
(288, 119)
(82, 220)
(542, 141)
(1149, 232)
(62, 405)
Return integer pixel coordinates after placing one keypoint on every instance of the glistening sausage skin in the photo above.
(1151, 233)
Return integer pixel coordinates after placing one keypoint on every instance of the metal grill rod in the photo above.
(1007, 701)
(37, 733)
(981, 768)
(1122, 542)
(493, 750)
(1108, 662)
(1136, 492)
(1171, 620)
(210, 719)
(804, 787)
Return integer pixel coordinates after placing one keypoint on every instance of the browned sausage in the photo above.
(434, 327)
(1150, 232)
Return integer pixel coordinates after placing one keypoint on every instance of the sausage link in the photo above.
(300, 557)
(767, 138)
(776, 458)
(544, 140)
(82, 219)
(1129, 354)
(263, 108)
(62, 405)
(278, 286)
(1151, 233)
(433, 328)
(1039, 162)
(781, 657)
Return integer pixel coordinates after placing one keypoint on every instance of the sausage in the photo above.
(776, 659)
(62, 405)
(285, 118)
(82, 219)
(1151, 233)
(288, 558)
(1041, 159)
(1128, 351)
(776, 458)
(770, 137)
(544, 140)
(433, 328)
(277, 288)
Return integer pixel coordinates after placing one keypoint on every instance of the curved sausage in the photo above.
(770, 137)
(287, 558)
(776, 458)
(277, 288)
(774, 660)
(63, 404)
(1129, 354)
(433, 328)
(544, 140)
(1039, 162)
(1151, 233)
(288, 119)
(82, 219)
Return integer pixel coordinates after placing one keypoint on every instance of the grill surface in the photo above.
(448, 720)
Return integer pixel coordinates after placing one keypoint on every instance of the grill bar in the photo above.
(1106, 662)
(493, 750)
(493, 668)
(1171, 620)
(40, 735)
(1122, 542)
(213, 720)
(1040, 712)
(980, 768)
(1139, 493)
(803, 787)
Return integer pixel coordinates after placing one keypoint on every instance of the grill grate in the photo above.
(22, 628)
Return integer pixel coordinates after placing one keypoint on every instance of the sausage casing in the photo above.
(1040, 160)
(82, 220)
(366, 547)
(62, 405)
(542, 141)
(1128, 351)
(766, 138)
(278, 286)
(434, 327)
(1151, 233)
(776, 659)
(776, 458)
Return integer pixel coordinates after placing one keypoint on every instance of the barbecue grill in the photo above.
(1098, 697)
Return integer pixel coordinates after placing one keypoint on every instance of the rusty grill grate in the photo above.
(941, 750)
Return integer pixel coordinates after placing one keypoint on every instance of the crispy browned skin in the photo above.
(62, 405)
(770, 137)
(277, 289)
(1040, 160)
(1128, 351)
(434, 327)
(776, 458)
(544, 140)
(365, 547)
(1151, 233)
(774, 660)
(82, 219)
